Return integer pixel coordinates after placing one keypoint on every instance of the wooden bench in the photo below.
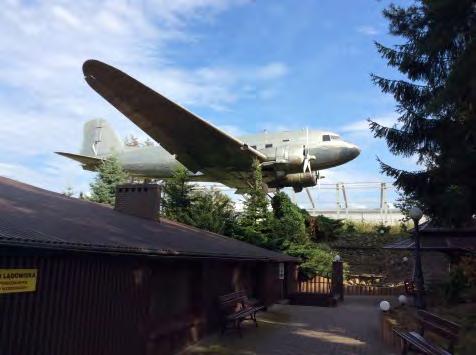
(430, 322)
(236, 308)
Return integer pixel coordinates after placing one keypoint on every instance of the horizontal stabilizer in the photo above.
(90, 162)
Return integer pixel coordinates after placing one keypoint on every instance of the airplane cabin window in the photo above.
(326, 138)
(269, 145)
(285, 140)
(253, 146)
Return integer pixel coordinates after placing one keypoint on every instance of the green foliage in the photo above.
(109, 175)
(256, 219)
(317, 259)
(288, 224)
(209, 210)
(437, 121)
(178, 197)
(456, 285)
(326, 229)
(68, 192)
(213, 211)
(382, 229)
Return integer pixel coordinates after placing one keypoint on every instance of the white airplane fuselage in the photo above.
(283, 149)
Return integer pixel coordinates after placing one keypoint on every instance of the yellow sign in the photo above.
(17, 280)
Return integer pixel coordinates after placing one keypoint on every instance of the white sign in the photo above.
(281, 271)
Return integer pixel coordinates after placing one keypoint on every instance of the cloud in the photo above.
(368, 30)
(272, 71)
(44, 100)
(387, 120)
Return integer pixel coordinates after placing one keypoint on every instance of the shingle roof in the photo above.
(37, 218)
(438, 242)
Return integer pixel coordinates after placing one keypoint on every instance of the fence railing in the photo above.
(322, 285)
(317, 284)
(374, 290)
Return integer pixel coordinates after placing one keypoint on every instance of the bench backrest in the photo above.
(440, 326)
(233, 301)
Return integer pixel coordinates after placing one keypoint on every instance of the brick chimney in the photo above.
(140, 200)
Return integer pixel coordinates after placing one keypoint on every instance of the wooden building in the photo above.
(82, 278)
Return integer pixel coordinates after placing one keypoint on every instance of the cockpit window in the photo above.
(326, 138)
(336, 138)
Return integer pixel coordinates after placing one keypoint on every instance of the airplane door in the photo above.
(282, 153)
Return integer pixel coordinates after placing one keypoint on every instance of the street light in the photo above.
(415, 215)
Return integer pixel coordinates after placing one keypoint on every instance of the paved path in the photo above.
(351, 328)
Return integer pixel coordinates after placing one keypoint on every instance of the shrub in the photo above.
(325, 229)
(456, 285)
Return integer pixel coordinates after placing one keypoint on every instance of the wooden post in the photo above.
(337, 281)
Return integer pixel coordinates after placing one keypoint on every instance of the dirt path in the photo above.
(351, 328)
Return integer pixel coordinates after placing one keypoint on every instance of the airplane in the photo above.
(288, 159)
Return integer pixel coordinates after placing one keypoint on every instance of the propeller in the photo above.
(306, 165)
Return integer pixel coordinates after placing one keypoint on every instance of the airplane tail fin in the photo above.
(99, 139)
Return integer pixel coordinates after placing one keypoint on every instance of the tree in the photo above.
(109, 175)
(255, 222)
(131, 141)
(209, 210)
(178, 196)
(289, 223)
(148, 142)
(213, 211)
(436, 106)
(68, 192)
(256, 212)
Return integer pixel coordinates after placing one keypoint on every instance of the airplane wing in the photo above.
(196, 143)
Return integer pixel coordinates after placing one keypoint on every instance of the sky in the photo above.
(244, 65)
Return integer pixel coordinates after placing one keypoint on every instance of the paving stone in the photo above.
(350, 328)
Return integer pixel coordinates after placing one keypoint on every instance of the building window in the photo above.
(269, 145)
(326, 138)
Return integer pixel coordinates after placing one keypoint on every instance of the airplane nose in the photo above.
(352, 152)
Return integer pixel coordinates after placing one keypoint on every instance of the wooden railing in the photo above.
(374, 290)
(317, 284)
(322, 285)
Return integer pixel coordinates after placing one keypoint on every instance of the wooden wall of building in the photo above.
(103, 304)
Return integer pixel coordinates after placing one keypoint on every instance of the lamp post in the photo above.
(415, 215)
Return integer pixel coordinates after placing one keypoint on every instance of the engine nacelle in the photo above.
(297, 181)
(290, 155)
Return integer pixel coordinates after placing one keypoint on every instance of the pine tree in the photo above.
(109, 175)
(255, 222)
(436, 105)
(178, 196)
(256, 206)
(289, 223)
(68, 192)
(213, 211)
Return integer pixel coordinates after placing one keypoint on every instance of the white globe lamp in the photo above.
(402, 299)
(415, 213)
(384, 306)
(337, 258)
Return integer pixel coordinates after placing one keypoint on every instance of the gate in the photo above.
(320, 290)
(317, 284)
